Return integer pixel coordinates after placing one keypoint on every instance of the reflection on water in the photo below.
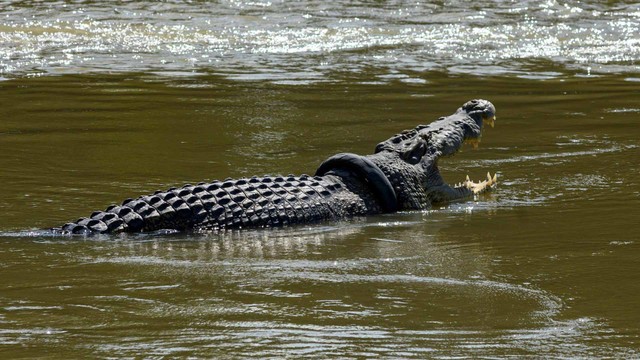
(321, 291)
(298, 43)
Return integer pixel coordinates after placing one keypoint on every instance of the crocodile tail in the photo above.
(99, 222)
(173, 209)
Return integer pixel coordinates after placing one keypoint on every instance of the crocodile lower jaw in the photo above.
(480, 186)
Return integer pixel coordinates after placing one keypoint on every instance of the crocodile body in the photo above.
(402, 174)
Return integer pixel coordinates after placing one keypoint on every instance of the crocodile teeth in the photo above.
(481, 186)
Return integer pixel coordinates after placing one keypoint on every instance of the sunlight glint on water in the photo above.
(149, 95)
(256, 37)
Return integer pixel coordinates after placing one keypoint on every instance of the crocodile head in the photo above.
(410, 159)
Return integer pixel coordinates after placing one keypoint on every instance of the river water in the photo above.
(101, 101)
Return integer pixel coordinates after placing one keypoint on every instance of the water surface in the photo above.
(318, 40)
(544, 266)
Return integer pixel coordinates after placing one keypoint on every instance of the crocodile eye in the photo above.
(414, 153)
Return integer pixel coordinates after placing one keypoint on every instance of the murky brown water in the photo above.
(101, 101)
(546, 265)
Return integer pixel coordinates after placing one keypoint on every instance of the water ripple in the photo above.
(241, 39)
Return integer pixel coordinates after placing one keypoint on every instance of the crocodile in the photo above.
(401, 174)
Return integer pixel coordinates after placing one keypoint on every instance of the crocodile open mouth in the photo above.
(488, 183)
(479, 186)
